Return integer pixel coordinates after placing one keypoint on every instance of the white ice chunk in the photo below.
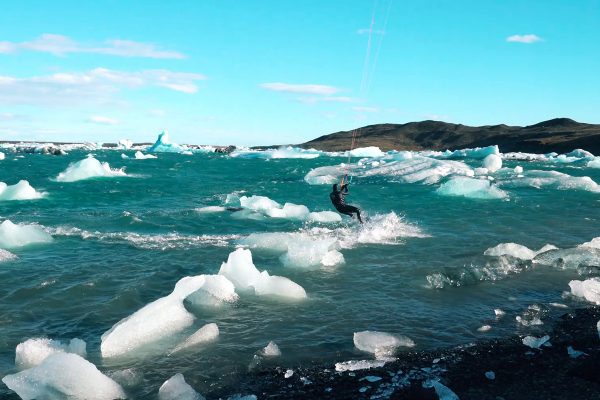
(593, 244)
(307, 252)
(574, 353)
(2, 156)
(481, 171)
(470, 187)
(484, 328)
(19, 191)
(124, 156)
(125, 144)
(271, 350)
(88, 168)
(141, 156)
(155, 321)
(208, 333)
(598, 328)
(493, 163)
(355, 365)
(215, 291)
(176, 388)
(64, 376)
(370, 151)
(534, 342)
(588, 289)
(553, 179)
(240, 270)
(499, 313)
(288, 373)
(443, 392)
(516, 250)
(381, 344)
(12, 235)
(32, 352)
(595, 163)
(518, 169)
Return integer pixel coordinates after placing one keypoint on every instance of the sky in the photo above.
(283, 72)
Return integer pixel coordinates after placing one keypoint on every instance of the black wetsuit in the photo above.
(339, 202)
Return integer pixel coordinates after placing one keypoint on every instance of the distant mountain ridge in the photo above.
(559, 135)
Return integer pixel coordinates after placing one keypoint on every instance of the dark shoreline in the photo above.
(520, 372)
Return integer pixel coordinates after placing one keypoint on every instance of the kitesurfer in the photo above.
(339, 202)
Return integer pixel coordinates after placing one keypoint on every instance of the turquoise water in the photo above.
(123, 242)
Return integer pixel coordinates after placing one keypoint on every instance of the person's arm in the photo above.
(344, 188)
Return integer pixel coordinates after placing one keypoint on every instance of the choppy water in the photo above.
(122, 242)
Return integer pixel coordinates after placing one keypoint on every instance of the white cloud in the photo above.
(530, 38)
(157, 112)
(60, 45)
(322, 90)
(436, 117)
(96, 85)
(99, 119)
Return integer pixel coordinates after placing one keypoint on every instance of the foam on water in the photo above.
(240, 270)
(86, 169)
(33, 352)
(19, 191)
(155, 321)
(64, 376)
(381, 344)
(13, 236)
(472, 188)
(165, 241)
(6, 255)
(176, 388)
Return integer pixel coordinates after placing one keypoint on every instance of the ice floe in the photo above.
(19, 191)
(13, 236)
(491, 375)
(575, 353)
(517, 251)
(33, 352)
(208, 333)
(492, 163)
(265, 206)
(176, 388)
(381, 344)
(141, 156)
(158, 319)
(271, 350)
(471, 187)
(86, 169)
(64, 376)
(551, 179)
(240, 270)
(443, 392)
(536, 343)
(210, 209)
(277, 153)
(589, 289)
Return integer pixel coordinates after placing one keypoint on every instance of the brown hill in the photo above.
(560, 135)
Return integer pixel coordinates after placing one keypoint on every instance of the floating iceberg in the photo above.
(371, 151)
(577, 257)
(381, 344)
(281, 152)
(240, 270)
(492, 163)
(270, 208)
(125, 144)
(163, 145)
(33, 352)
(176, 388)
(19, 191)
(536, 343)
(208, 333)
(588, 289)
(355, 365)
(553, 179)
(215, 291)
(443, 392)
(141, 156)
(2, 156)
(472, 188)
(517, 251)
(157, 320)
(12, 236)
(64, 376)
(595, 163)
(88, 168)
(271, 350)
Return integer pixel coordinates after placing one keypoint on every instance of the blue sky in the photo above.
(274, 72)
